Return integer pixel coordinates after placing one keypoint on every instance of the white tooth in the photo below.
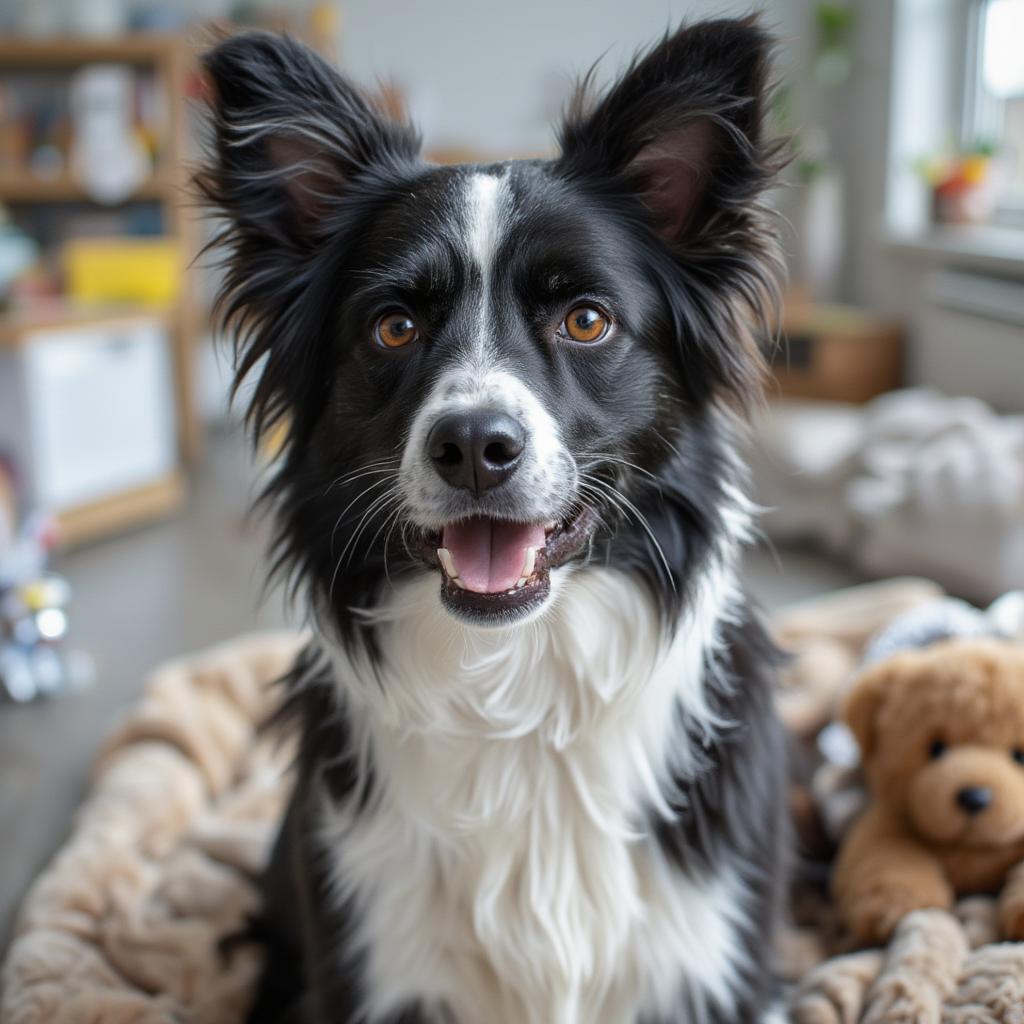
(458, 582)
(521, 583)
(548, 527)
(444, 556)
(528, 560)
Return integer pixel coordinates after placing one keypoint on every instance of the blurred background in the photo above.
(892, 443)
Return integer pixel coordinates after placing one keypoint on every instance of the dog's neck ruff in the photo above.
(501, 866)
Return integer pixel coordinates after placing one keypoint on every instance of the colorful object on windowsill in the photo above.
(964, 188)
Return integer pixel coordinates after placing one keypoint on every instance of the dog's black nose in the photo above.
(974, 799)
(476, 450)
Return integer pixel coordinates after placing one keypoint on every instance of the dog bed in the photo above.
(125, 925)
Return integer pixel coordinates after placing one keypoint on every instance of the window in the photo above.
(994, 97)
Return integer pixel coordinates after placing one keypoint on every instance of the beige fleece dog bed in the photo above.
(123, 926)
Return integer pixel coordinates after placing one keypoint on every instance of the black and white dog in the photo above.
(539, 777)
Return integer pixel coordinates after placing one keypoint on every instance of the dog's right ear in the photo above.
(290, 135)
(293, 144)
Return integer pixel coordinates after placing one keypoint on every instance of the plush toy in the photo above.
(34, 658)
(941, 735)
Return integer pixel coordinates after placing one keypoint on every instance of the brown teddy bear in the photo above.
(941, 734)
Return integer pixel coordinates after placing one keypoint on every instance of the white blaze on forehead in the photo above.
(485, 200)
(486, 192)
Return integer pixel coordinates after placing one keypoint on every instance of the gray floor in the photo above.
(165, 590)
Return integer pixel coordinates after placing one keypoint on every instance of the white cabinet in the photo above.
(969, 338)
(87, 410)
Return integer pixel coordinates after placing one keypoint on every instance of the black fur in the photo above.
(732, 812)
(655, 208)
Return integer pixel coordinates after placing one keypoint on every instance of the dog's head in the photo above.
(486, 371)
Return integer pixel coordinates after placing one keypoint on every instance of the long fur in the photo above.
(576, 818)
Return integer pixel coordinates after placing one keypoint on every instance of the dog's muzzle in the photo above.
(492, 490)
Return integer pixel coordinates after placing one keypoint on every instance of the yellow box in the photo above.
(138, 270)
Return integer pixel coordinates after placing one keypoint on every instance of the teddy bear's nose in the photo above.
(974, 799)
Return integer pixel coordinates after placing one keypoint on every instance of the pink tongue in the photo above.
(488, 553)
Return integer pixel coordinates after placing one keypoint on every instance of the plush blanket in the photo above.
(912, 482)
(125, 925)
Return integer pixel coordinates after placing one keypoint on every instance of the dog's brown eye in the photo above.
(1018, 754)
(585, 324)
(395, 330)
(937, 749)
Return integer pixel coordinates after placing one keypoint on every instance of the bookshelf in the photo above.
(169, 58)
(25, 187)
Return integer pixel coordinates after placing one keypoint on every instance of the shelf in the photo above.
(18, 325)
(24, 187)
(137, 507)
(170, 57)
(65, 51)
(984, 246)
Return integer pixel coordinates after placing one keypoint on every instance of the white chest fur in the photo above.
(500, 871)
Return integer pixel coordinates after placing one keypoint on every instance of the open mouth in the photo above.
(496, 569)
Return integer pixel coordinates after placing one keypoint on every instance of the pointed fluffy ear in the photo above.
(289, 135)
(864, 701)
(291, 141)
(682, 127)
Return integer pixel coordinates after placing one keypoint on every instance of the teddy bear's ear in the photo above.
(862, 704)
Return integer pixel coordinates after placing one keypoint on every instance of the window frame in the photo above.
(981, 115)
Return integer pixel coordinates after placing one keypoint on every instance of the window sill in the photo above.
(983, 246)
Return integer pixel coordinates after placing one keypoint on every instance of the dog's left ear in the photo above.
(682, 127)
(291, 137)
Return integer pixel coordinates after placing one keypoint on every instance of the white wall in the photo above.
(492, 75)
(859, 128)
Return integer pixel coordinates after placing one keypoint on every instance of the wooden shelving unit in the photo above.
(138, 48)
(23, 187)
(137, 507)
(169, 56)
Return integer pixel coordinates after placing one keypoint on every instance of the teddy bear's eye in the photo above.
(937, 749)
(1018, 754)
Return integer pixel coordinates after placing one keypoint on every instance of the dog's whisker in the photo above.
(341, 557)
(383, 510)
(619, 498)
(370, 469)
(384, 498)
(608, 457)
(379, 503)
(396, 517)
(390, 517)
(667, 443)
(341, 515)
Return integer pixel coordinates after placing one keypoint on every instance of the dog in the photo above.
(539, 778)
